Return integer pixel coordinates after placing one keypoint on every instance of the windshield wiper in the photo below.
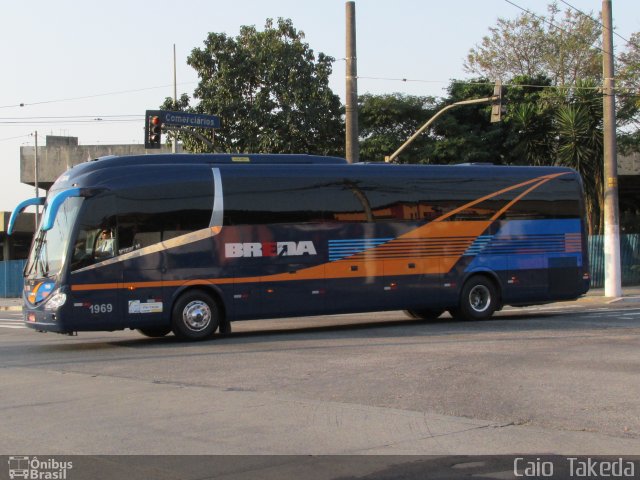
(37, 250)
(44, 258)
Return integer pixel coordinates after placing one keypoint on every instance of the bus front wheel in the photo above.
(195, 316)
(478, 299)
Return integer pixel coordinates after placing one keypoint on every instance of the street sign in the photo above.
(159, 121)
(183, 119)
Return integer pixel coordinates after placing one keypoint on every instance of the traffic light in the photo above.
(496, 104)
(153, 130)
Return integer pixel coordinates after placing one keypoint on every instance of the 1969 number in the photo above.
(101, 308)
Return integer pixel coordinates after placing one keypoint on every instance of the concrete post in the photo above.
(352, 150)
(612, 269)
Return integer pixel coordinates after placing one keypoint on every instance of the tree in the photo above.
(465, 134)
(270, 90)
(530, 119)
(628, 86)
(563, 124)
(386, 121)
(563, 49)
(579, 127)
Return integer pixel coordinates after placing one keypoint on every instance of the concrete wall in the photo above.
(25, 222)
(17, 245)
(61, 153)
(629, 165)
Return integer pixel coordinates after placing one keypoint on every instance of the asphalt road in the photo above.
(561, 380)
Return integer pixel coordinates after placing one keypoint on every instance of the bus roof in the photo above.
(220, 158)
(101, 170)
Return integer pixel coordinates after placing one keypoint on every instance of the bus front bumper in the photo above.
(43, 320)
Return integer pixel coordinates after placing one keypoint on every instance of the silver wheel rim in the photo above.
(196, 315)
(479, 298)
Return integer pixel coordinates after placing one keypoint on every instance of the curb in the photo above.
(12, 308)
(630, 299)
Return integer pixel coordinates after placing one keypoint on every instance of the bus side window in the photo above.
(96, 240)
(144, 239)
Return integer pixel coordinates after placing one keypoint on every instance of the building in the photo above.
(16, 246)
(61, 153)
(57, 156)
(629, 192)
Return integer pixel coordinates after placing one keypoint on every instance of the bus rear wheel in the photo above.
(154, 332)
(478, 299)
(424, 314)
(195, 316)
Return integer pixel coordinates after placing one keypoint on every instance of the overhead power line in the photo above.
(629, 42)
(550, 23)
(26, 135)
(619, 90)
(84, 97)
(68, 121)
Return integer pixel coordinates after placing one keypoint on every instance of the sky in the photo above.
(113, 60)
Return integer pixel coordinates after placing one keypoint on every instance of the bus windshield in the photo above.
(49, 248)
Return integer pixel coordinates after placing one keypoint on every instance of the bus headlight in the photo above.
(56, 300)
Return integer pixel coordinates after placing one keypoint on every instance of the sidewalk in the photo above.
(630, 295)
(10, 304)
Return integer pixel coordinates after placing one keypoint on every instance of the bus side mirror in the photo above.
(18, 210)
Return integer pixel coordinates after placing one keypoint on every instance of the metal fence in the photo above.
(11, 271)
(11, 278)
(629, 259)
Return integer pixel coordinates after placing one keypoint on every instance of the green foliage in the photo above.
(529, 119)
(580, 144)
(465, 134)
(270, 90)
(386, 121)
(566, 48)
(628, 90)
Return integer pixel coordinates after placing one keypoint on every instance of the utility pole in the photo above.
(612, 270)
(174, 146)
(35, 172)
(351, 103)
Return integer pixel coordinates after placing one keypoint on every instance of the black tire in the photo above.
(225, 327)
(424, 314)
(478, 299)
(195, 316)
(156, 332)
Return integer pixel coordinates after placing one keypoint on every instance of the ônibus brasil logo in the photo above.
(38, 469)
(269, 249)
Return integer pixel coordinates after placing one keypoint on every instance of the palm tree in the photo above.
(533, 122)
(579, 130)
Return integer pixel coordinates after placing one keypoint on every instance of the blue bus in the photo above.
(191, 242)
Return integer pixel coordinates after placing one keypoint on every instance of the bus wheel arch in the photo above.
(479, 297)
(196, 313)
(425, 314)
(154, 332)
